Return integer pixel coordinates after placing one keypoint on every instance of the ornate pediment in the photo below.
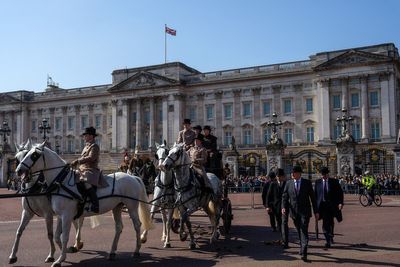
(143, 80)
(7, 99)
(352, 58)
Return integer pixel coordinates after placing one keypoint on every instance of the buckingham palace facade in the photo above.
(146, 105)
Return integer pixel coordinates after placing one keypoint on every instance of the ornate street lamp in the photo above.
(5, 131)
(273, 124)
(44, 128)
(344, 121)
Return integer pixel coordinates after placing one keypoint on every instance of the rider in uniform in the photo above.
(370, 183)
(187, 135)
(198, 155)
(90, 174)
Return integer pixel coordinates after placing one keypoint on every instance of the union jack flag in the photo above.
(170, 31)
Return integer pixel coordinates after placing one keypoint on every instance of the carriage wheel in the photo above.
(364, 200)
(227, 216)
(378, 200)
(175, 225)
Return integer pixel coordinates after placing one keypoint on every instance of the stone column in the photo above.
(386, 100)
(115, 129)
(105, 140)
(24, 128)
(52, 124)
(396, 151)
(345, 158)
(91, 116)
(123, 125)
(256, 115)
(39, 113)
(392, 107)
(298, 111)
(152, 132)
(237, 128)
(345, 93)
(324, 112)
(64, 128)
(218, 116)
(139, 128)
(200, 109)
(364, 110)
(169, 139)
(178, 111)
(78, 129)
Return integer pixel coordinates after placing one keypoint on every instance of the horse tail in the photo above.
(144, 209)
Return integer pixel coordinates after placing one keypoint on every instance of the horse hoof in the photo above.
(192, 246)
(49, 259)
(13, 260)
(136, 255)
(72, 250)
(167, 245)
(143, 240)
(112, 256)
(183, 236)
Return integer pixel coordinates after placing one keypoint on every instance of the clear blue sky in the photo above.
(80, 42)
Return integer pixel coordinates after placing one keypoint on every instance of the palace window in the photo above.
(373, 99)
(375, 131)
(228, 111)
(355, 100)
(227, 138)
(267, 108)
(70, 145)
(267, 135)
(58, 123)
(247, 137)
(310, 135)
(97, 121)
(192, 113)
(336, 102)
(356, 131)
(309, 105)
(210, 112)
(287, 106)
(147, 116)
(134, 117)
(337, 131)
(288, 135)
(34, 126)
(247, 110)
(84, 121)
(71, 123)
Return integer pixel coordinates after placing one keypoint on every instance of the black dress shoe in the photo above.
(285, 246)
(327, 245)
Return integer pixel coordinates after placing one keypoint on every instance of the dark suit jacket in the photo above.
(274, 196)
(264, 193)
(333, 198)
(299, 204)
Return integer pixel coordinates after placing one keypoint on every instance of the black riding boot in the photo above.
(93, 198)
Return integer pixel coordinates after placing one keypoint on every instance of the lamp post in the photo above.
(344, 121)
(44, 128)
(273, 124)
(5, 131)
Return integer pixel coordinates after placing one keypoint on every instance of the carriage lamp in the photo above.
(44, 128)
(5, 131)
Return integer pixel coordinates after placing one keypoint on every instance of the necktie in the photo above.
(297, 186)
(325, 194)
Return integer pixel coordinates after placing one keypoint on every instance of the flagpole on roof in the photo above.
(165, 43)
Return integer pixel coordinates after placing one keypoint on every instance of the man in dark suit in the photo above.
(329, 197)
(296, 198)
(274, 205)
(271, 178)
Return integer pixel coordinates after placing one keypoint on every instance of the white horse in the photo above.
(123, 189)
(40, 206)
(190, 194)
(164, 196)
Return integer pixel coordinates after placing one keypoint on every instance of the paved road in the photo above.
(367, 237)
